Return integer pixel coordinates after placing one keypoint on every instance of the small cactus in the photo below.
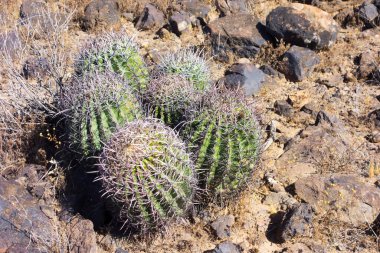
(188, 64)
(118, 53)
(146, 171)
(95, 106)
(170, 97)
(225, 140)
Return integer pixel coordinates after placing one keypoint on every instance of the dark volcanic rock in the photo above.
(368, 64)
(228, 7)
(180, 22)
(196, 8)
(100, 12)
(247, 76)
(240, 34)
(297, 222)
(150, 18)
(282, 107)
(303, 25)
(369, 14)
(222, 226)
(298, 63)
(354, 201)
(271, 71)
(22, 218)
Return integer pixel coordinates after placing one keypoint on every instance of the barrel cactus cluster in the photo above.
(161, 140)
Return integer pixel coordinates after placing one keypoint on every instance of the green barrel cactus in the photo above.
(95, 106)
(118, 53)
(224, 138)
(146, 171)
(189, 64)
(169, 97)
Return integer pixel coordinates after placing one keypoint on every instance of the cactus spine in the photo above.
(118, 53)
(145, 169)
(225, 140)
(170, 96)
(188, 64)
(96, 105)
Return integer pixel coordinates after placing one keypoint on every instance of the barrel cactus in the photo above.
(169, 97)
(189, 64)
(224, 138)
(146, 171)
(95, 106)
(118, 53)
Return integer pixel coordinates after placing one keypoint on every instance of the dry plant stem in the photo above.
(49, 28)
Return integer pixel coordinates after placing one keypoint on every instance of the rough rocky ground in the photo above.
(316, 188)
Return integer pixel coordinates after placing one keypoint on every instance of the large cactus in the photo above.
(224, 137)
(96, 105)
(118, 53)
(170, 97)
(189, 64)
(145, 169)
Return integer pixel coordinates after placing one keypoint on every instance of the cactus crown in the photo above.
(225, 140)
(188, 64)
(170, 96)
(146, 170)
(96, 104)
(118, 53)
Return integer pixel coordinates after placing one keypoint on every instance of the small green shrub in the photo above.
(145, 169)
(95, 105)
(224, 137)
(118, 53)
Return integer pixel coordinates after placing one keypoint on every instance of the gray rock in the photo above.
(226, 247)
(21, 218)
(354, 201)
(151, 18)
(197, 9)
(228, 7)
(10, 43)
(374, 118)
(37, 68)
(297, 222)
(280, 200)
(303, 25)
(247, 76)
(369, 14)
(298, 63)
(325, 118)
(222, 226)
(240, 34)
(367, 64)
(310, 108)
(283, 108)
(271, 71)
(100, 13)
(316, 149)
(32, 9)
(180, 22)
